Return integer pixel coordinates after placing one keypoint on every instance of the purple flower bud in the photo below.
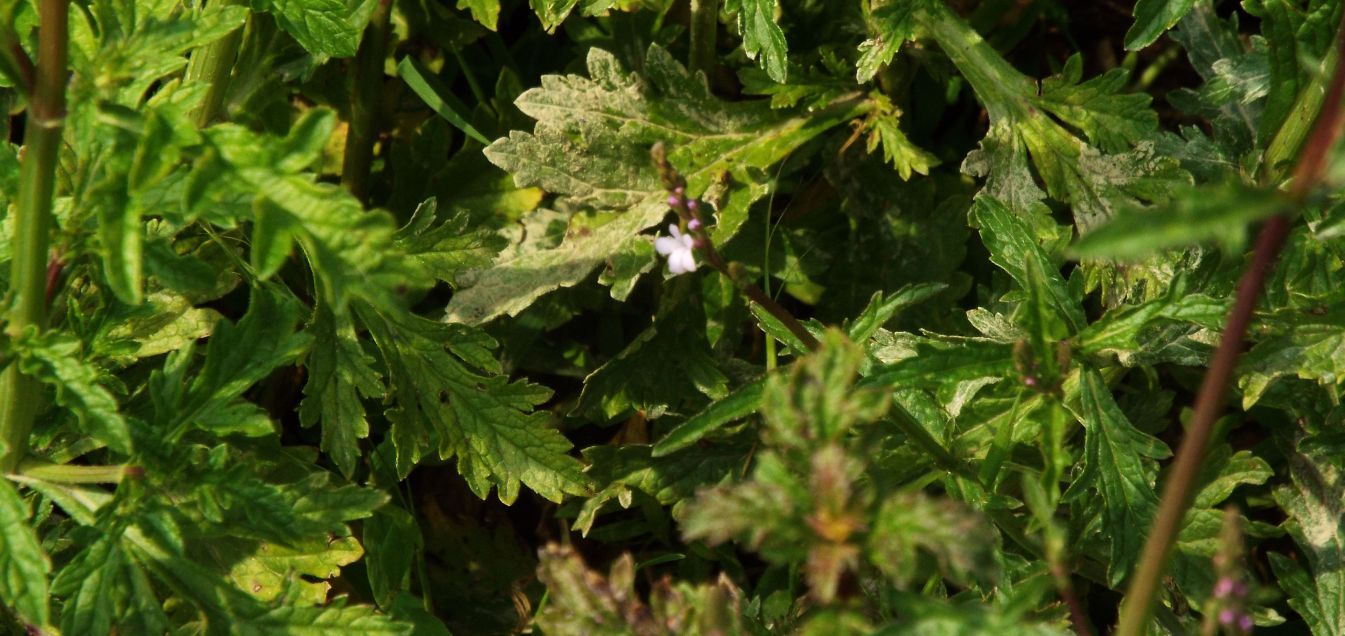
(1245, 622)
(1227, 616)
(1029, 381)
(674, 200)
(1223, 588)
(694, 224)
(1239, 589)
(691, 205)
(680, 191)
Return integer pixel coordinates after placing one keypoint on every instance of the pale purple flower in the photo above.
(678, 248)
(1246, 623)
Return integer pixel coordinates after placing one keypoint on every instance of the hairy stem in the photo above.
(214, 64)
(20, 395)
(704, 23)
(366, 94)
(1179, 490)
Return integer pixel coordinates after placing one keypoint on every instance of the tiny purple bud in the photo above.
(674, 200)
(1223, 588)
(691, 205)
(1245, 622)
(1239, 589)
(1227, 616)
(1030, 381)
(694, 224)
(680, 191)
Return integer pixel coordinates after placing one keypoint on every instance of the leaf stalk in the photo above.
(73, 474)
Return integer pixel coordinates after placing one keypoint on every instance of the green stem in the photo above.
(20, 394)
(71, 474)
(214, 64)
(1287, 142)
(771, 361)
(704, 23)
(997, 84)
(1179, 491)
(366, 94)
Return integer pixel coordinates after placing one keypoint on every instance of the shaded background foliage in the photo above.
(363, 330)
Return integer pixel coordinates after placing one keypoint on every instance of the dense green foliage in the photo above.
(363, 316)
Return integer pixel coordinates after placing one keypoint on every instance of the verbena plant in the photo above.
(656, 317)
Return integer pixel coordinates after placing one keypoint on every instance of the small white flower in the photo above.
(678, 249)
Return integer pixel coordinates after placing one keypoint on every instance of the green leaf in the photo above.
(1111, 119)
(348, 247)
(621, 471)
(934, 361)
(1194, 216)
(552, 12)
(24, 566)
(56, 358)
(668, 362)
(882, 309)
(818, 400)
(1152, 18)
(487, 12)
(898, 150)
(762, 36)
(428, 88)
(323, 27)
(1215, 48)
(1122, 331)
(1295, 40)
(393, 543)
(964, 544)
(772, 326)
(892, 25)
(237, 357)
(340, 375)
(352, 251)
(1094, 179)
(591, 145)
(450, 249)
(273, 568)
(1119, 463)
(738, 404)
(1309, 349)
(1014, 248)
(97, 580)
(485, 421)
(1316, 522)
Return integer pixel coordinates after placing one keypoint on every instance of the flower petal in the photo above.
(681, 262)
(666, 245)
